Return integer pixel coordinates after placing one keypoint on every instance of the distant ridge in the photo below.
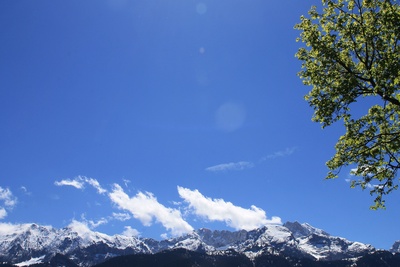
(28, 244)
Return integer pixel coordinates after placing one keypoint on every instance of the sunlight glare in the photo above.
(230, 117)
(201, 8)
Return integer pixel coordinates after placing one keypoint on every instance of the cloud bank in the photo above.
(219, 210)
(232, 166)
(146, 208)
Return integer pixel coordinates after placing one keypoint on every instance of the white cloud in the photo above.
(3, 213)
(92, 224)
(7, 196)
(95, 224)
(7, 201)
(164, 236)
(95, 184)
(232, 166)
(77, 183)
(146, 208)
(129, 231)
(7, 228)
(219, 210)
(81, 228)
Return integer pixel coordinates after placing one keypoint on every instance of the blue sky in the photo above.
(157, 117)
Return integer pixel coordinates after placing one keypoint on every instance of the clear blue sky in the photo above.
(161, 116)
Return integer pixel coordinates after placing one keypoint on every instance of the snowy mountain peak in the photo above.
(304, 229)
(20, 243)
(396, 247)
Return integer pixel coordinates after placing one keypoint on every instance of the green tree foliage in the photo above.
(352, 54)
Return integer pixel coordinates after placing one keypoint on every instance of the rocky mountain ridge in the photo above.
(19, 244)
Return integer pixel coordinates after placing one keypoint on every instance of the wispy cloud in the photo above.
(95, 184)
(220, 210)
(121, 216)
(282, 153)
(126, 182)
(79, 183)
(7, 201)
(232, 166)
(25, 190)
(146, 208)
(242, 165)
(95, 224)
(74, 183)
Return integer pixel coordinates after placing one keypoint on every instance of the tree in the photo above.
(352, 54)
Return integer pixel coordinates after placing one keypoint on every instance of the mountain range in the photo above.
(77, 245)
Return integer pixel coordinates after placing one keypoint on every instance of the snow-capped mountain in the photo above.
(291, 239)
(22, 243)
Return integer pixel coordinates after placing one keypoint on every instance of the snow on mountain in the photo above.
(321, 245)
(396, 247)
(292, 239)
(31, 261)
(304, 229)
(27, 242)
(27, 236)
